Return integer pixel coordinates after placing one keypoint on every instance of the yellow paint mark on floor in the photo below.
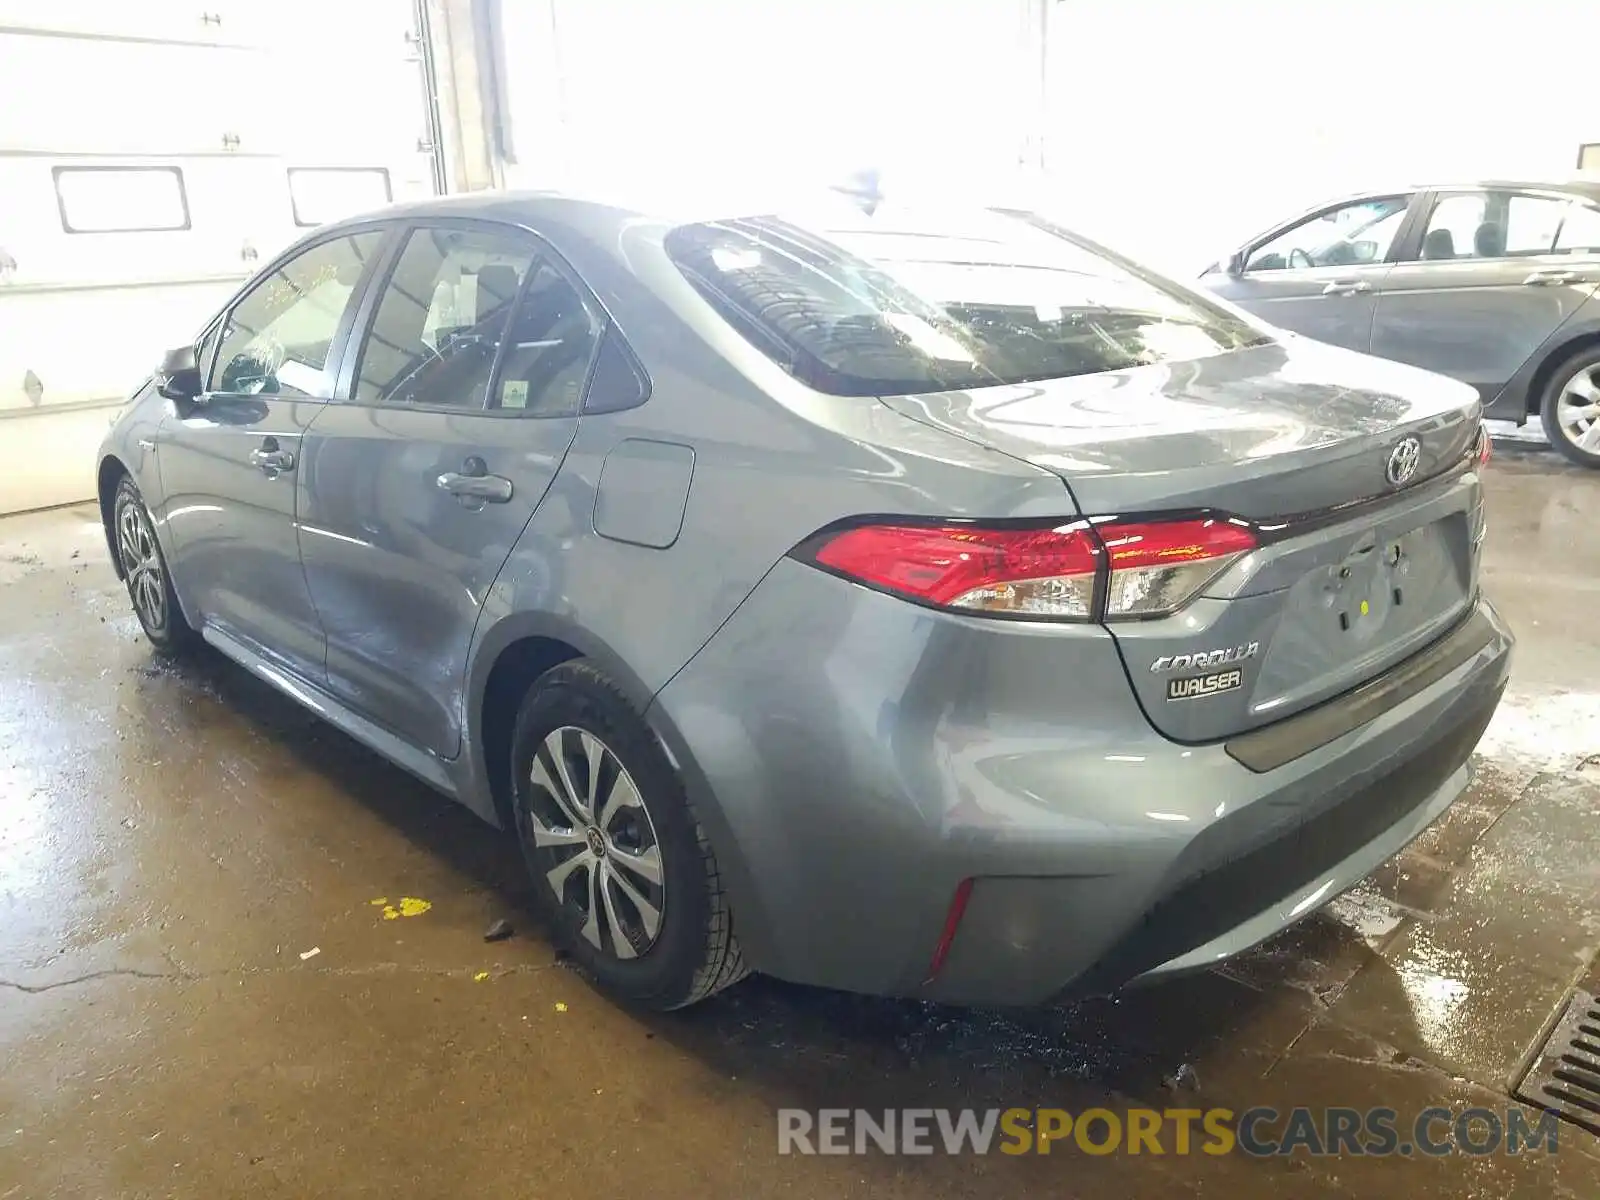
(560, 1007)
(480, 977)
(410, 906)
(380, 902)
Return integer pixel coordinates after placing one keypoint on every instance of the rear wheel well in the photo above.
(513, 673)
(1541, 377)
(111, 474)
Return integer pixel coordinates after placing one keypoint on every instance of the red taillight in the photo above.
(1037, 572)
(1159, 567)
(1485, 445)
(1146, 569)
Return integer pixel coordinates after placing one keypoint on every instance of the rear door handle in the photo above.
(1347, 287)
(492, 489)
(1551, 278)
(271, 460)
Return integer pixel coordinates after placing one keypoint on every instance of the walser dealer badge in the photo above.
(1196, 686)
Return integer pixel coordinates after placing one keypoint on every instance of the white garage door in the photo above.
(758, 93)
(152, 155)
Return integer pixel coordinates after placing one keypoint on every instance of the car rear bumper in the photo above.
(854, 762)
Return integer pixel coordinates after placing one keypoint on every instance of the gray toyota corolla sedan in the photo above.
(918, 602)
(1491, 283)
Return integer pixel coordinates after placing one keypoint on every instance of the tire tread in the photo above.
(724, 964)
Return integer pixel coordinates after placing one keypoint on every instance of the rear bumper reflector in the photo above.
(952, 922)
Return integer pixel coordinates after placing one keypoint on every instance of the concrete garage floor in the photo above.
(172, 840)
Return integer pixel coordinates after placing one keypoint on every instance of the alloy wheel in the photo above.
(141, 566)
(1578, 409)
(596, 846)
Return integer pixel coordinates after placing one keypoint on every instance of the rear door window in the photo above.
(1491, 224)
(461, 303)
(895, 301)
(440, 319)
(1580, 231)
(547, 354)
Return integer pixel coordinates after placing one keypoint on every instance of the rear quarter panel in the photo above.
(772, 462)
(1524, 391)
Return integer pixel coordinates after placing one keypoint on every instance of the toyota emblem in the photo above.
(1403, 461)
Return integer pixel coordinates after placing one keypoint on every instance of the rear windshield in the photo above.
(857, 303)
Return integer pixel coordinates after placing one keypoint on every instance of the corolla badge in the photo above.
(1204, 658)
(1404, 458)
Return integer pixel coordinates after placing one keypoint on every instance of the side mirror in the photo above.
(1236, 263)
(178, 376)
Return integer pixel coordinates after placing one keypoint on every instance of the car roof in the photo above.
(680, 205)
(513, 206)
(1582, 183)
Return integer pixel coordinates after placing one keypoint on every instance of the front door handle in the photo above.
(1347, 287)
(473, 482)
(271, 460)
(1551, 278)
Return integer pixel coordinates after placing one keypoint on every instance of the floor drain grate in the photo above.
(1565, 1076)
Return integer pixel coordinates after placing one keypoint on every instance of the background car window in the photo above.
(1475, 225)
(1580, 231)
(1352, 235)
(553, 336)
(276, 339)
(440, 320)
(1532, 223)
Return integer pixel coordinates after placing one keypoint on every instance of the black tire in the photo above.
(1585, 360)
(144, 571)
(692, 952)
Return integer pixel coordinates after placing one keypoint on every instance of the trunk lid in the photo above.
(1354, 572)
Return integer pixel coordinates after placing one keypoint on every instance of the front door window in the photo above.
(1352, 235)
(277, 338)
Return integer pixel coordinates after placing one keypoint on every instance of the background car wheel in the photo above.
(621, 868)
(1570, 407)
(144, 570)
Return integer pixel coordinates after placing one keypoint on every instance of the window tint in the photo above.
(1581, 229)
(858, 303)
(276, 340)
(440, 320)
(547, 355)
(1352, 235)
(1474, 225)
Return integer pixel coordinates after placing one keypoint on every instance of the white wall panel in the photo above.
(638, 90)
(228, 95)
